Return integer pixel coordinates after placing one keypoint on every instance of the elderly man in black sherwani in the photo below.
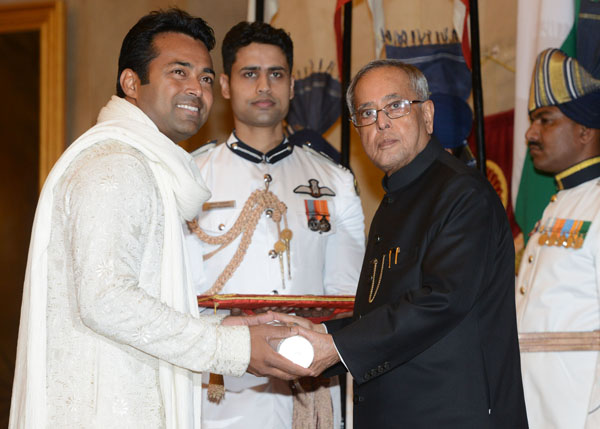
(433, 340)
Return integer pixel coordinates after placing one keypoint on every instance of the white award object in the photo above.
(297, 349)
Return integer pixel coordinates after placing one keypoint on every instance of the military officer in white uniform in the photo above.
(314, 244)
(558, 288)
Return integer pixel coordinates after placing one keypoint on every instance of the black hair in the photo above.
(244, 33)
(138, 49)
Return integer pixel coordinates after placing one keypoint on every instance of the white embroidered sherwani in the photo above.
(107, 273)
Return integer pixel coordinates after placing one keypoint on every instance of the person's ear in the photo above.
(589, 138)
(292, 82)
(585, 134)
(130, 83)
(427, 109)
(224, 83)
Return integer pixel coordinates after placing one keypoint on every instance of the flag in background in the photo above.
(541, 24)
(270, 9)
(337, 25)
(462, 25)
(378, 15)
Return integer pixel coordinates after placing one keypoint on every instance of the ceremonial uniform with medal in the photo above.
(300, 225)
(325, 250)
(558, 285)
(558, 290)
(326, 220)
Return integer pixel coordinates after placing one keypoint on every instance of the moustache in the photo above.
(536, 144)
(260, 99)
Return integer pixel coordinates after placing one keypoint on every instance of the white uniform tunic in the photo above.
(321, 262)
(558, 290)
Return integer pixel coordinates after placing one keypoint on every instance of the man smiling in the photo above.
(307, 238)
(176, 93)
(110, 334)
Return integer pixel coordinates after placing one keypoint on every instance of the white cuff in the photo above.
(336, 349)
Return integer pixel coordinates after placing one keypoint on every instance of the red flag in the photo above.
(337, 25)
(463, 27)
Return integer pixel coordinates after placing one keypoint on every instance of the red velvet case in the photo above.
(247, 303)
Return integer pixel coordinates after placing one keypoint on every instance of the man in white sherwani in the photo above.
(558, 287)
(110, 334)
(315, 247)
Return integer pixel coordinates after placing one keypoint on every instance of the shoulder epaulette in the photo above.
(206, 147)
(307, 147)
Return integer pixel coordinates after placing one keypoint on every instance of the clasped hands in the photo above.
(265, 336)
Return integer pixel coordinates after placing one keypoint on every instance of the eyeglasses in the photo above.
(394, 110)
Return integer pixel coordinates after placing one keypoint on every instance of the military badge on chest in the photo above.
(314, 190)
(317, 214)
(317, 211)
(569, 233)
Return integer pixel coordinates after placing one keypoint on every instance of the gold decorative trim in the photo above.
(275, 298)
(589, 16)
(572, 170)
(535, 342)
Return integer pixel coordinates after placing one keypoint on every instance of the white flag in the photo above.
(376, 7)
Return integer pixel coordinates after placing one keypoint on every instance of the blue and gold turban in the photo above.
(559, 80)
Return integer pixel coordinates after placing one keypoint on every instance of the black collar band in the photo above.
(578, 174)
(415, 168)
(249, 153)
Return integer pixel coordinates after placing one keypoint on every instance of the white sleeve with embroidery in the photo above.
(116, 219)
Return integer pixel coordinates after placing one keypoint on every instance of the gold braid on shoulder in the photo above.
(259, 201)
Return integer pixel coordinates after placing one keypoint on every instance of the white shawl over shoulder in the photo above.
(182, 192)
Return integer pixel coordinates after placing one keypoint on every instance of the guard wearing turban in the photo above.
(558, 286)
